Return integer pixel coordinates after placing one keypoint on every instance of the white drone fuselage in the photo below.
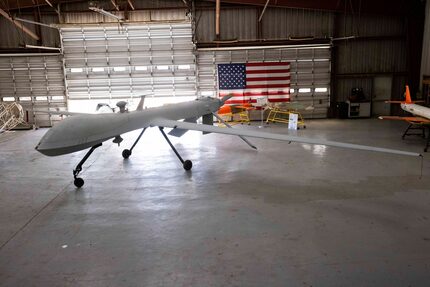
(416, 110)
(83, 131)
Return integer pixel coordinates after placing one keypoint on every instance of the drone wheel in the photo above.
(79, 182)
(126, 153)
(187, 164)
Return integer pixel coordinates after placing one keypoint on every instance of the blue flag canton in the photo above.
(231, 76)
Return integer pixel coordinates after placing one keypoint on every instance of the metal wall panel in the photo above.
(235, 24)
(425, 60)
(309, 68)
(344, 87)
(376, 56)
(108, 62)
(205, 26)
(133, 16)
(285, 23)
(34, 81)
(13, 37)
(370, 25)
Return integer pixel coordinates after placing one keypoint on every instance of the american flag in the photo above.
(248, 81)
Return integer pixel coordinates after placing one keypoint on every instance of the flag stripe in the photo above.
(286, 85)
(251, 84)
(267, 75)
(267, 79)
(265, 71)
(266, 64)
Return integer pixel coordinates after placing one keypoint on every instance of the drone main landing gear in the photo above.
(187, 164)
(127, 152)
(79, 182)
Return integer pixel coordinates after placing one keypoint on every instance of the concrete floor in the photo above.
(286, 215)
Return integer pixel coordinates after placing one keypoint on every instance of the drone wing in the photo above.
(60, 113)
(273, 136)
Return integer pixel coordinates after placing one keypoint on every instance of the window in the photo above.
(141, 68)
(119, 69)
(98, 69)
(8, 99)
(41, 98)
(291, 91)
(163, 68)
(57, 98)
(184, 67)
(25, 99)
(320, 90)
(304, 90)
(76, 70)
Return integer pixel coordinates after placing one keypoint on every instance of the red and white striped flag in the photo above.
(247, 82)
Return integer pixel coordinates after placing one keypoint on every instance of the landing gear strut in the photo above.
(79, 182)
(187, 164)
(127, 152)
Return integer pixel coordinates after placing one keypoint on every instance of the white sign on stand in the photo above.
(262, 102)
(293, 121)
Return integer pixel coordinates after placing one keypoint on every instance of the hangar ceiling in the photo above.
(352, 6)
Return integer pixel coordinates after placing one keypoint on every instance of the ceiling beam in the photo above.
(115, 5)
(130, 3)
(19, 25)
(380, 7)
(52, 6)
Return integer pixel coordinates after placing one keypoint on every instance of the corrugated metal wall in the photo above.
(242, 24)
(381, 48)
(134, 16)
(13, 37)
(425, 60)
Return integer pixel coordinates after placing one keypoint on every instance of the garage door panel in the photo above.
(119, 62)
(33, 80)
(309, 69)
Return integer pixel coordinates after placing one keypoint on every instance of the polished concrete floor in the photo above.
(285, 215)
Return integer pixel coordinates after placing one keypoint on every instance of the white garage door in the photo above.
(114, 62)
(35, 81)
(309, 72)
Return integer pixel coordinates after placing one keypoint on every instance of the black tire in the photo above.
(187, 164)
(79, 182)
(126, 153)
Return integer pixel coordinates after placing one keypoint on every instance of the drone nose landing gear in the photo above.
(79, 182)
(127, 152)
(187, 164)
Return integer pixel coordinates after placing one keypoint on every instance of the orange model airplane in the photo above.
(420, 120)
(421, 113)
